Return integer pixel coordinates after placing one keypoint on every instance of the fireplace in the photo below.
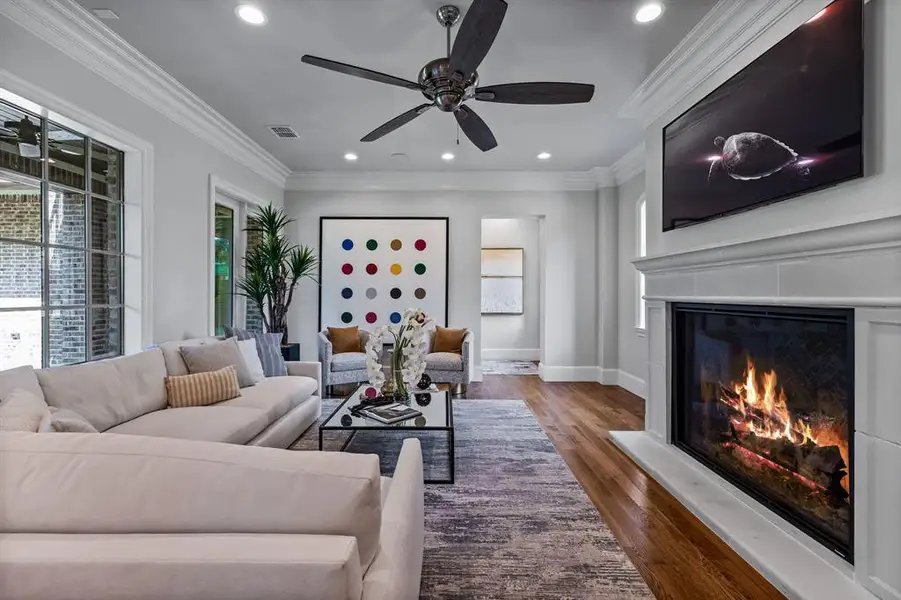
(764, 396)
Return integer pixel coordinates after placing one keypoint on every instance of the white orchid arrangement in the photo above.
(409, 350)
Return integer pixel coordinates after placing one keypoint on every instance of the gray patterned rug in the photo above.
(509, 367)
(516, 524)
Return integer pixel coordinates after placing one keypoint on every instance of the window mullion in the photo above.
(45, 251)
(88, 258)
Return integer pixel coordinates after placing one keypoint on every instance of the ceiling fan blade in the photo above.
(544, 92)
(475, 128)
(396, 122)
(369, 74)
(476, 34)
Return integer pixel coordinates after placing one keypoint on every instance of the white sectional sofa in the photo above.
(155, 506)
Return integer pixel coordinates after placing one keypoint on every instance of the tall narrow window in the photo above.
(224, 275)
(253, 316)
(61, 246)
(642, 236)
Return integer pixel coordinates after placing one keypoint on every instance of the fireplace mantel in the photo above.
(857, 266)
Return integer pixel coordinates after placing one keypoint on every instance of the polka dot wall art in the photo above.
(373, 269)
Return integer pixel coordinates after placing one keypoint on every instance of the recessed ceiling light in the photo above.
(818, 15)
(350, 156)
(649, 11)
(250, 14)
(544, 155)
(447, 156)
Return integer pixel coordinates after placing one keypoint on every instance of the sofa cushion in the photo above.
(275, 396)
(108, 392)
(444, 361)
(349, 361)
(175, 364)
(107, 483)
(20, 378)
(206, 423)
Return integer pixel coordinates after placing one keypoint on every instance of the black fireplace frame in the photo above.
(679, 419)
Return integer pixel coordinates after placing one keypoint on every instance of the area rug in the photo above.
(516, 524)
(509, 367)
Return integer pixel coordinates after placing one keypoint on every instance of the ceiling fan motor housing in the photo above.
(442, 88)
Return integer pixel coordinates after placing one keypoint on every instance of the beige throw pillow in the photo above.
(216, 356)
(202, 389)
(21, 410)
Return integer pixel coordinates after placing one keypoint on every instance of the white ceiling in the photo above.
(254, 77)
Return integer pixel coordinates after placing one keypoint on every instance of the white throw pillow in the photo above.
(251, 357)
(21, 410)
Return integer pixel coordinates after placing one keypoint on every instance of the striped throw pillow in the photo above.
(202, 389)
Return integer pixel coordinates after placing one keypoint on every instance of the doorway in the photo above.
(510, 296)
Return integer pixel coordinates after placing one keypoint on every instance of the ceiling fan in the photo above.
(449, 82)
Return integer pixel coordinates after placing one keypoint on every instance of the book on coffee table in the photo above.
(390, 413)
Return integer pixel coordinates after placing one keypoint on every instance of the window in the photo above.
(642, 237)
(232, 238)
(61, 244)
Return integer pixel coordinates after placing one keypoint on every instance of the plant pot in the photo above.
(291, 352)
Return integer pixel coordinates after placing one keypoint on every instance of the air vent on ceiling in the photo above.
(282, 131)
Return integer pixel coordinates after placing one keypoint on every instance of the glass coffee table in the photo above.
(437, 415)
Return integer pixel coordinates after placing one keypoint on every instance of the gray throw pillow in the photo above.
(269, 347)
(215, 356)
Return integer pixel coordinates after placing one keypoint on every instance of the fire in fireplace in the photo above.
(763, 396)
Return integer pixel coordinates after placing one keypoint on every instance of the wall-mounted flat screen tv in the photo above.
(787, 124)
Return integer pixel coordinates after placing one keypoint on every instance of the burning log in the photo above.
(821, 465)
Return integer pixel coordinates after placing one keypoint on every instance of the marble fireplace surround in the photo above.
(852, 266)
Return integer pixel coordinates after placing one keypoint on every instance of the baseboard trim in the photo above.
(554, 373)
(511, 353)
(476, 374)
(625, 380)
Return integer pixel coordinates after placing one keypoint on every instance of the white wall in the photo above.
(608, 284)
(515, 336)
(632, 345)
(878, 194)
(183, 164)
(568, 287)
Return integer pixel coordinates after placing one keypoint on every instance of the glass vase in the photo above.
(397, 365)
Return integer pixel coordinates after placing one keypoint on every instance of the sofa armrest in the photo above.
(182, 566)
(311, 369)
(396, 571)
(468, 341)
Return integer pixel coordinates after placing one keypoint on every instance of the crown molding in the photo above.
(723, 33)
(75, 32)
(630, 165)
(420, 181)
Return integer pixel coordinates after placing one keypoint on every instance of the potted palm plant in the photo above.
(273, 267)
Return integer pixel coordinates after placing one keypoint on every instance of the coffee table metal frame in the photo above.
(449, 428)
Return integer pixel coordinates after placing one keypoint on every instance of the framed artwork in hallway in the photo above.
(374, 268)
(502, 281)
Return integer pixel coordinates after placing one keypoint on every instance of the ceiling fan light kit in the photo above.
(448, 83)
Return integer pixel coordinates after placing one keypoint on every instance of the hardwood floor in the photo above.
(678, 556)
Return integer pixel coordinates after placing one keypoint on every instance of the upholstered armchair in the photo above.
(346, 367)
(448, 367)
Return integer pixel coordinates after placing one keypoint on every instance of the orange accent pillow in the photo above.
(344, 339)
(449, 340)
